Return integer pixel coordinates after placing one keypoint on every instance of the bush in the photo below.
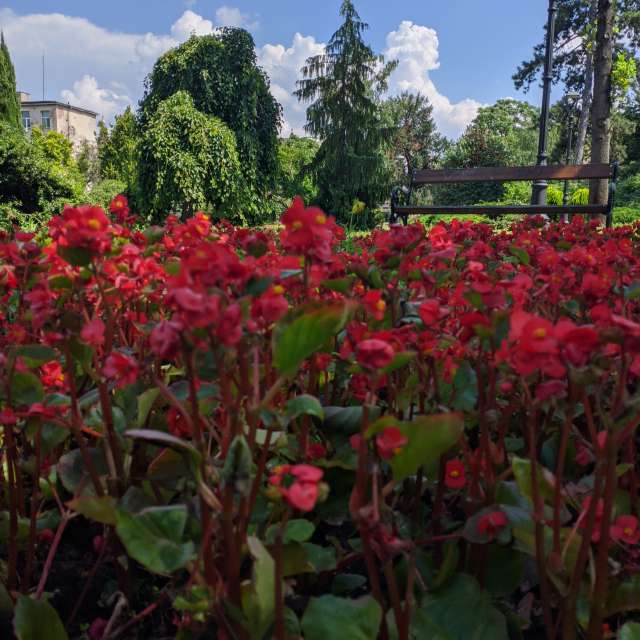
(105, 191)
(628, 191)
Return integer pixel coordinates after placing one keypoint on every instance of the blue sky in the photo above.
(461, 53)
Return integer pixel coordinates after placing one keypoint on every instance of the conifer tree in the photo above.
(9, 105)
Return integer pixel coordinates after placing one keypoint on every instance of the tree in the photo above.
(343, 85)
(295, 158)
(188, 161)
(574, 50)
(9, 105)
(503, 134)
(118, 149)
(36, 176)
(602, 97)
(221, 75)
(414, 135)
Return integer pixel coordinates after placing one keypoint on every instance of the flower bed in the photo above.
(218, 432)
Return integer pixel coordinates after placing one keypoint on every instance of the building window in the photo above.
(46, 120)
(26, 120)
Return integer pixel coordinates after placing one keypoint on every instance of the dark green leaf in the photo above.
(341, 618)
(258, 597)
(304, 405)
(37, 620)
(99, 509)
(26, 388)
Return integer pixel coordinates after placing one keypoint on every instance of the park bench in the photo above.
(401, 207)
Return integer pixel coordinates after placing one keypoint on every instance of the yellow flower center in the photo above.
(540, 333)
(278, 289)
(297, 224)
(118, 204)
(381, 305)
(455, 474)
(397, 450)
(321, 218)
(627, 531)
(94, 224)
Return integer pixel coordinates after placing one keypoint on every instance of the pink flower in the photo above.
(374, 354)
(454, 475)
(625, 529)
(93, 332)
(492, 523)
(390, 442)
(298, 484)
(122, 368)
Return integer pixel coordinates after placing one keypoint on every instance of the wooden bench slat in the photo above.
(588, 209)
(502, 174)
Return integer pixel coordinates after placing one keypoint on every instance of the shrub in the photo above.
(628, 191)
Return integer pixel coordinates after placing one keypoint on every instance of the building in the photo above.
(76, 124)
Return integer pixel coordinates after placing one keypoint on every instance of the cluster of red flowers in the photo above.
(532, 335)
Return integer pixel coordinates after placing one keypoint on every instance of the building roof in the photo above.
(62, 105)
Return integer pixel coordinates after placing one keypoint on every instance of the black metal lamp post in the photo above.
(539, 192)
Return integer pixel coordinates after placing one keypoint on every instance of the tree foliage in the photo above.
(295, 158)
(38, 175)
(188, 160)
(415, 142)
(9, 105)
(343, 85)
(503, 134)
(220, 74)
(118, 149)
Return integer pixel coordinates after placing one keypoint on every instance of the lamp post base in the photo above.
(539, 193)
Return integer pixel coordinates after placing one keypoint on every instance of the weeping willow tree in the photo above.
(343, 86)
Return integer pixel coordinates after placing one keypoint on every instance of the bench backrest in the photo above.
(504, 174)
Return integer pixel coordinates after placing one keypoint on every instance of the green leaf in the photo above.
(145, 402)
(630, 631)
(298, 530)
(522, 468)
(341, 618)
(35, 355)
(258, 597)
(346, 419)
(632, 291)
(464, 612)
(429, 437)
(399, 360)
(295, 342)
(75, 256)
(99, 509)
(521, 254)
(237, 466)
(624, 597)
(6, 603)
(505, 570)
(341, 285)
(26, 388)
(153, 537)
(164, 438)
(465, 385)
(37, 620)
(74, 475)
(304, 405)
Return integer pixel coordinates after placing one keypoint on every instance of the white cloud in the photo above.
(231, 17)
(416, 49)
(190, 23)
(283, 68)
(106, 102)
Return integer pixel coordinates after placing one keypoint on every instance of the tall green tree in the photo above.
(188, 161)
(9, 105)
(221, 75)
(118, 149)
(414, 142)
(344, 85)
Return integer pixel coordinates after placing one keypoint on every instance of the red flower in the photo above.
(625, 529)
(85, 227)
(52, 375)
(492, 523)
(374, 354)
(270, 307)
(298, 484)
(229, 330)
(390, 442)
(374, 304)
(429, 312)
(8, 417)
(93, 332)
(316, 451)
(122, 368)
(119, 207)
(165, 339)
(178, 426)
(454, 475)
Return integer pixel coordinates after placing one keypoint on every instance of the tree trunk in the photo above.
(601, 109)
(583, 123)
